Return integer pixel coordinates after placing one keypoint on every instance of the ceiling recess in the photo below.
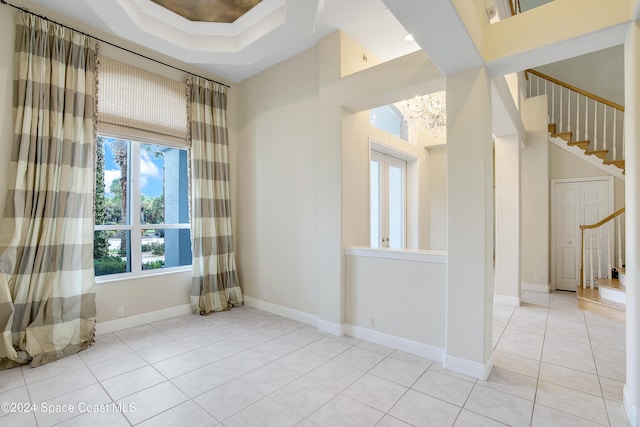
(224, 11)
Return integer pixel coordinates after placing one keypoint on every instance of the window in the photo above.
(387, 200)
(142, 207)
(390, 119)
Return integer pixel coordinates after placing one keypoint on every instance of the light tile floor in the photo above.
(555, 365)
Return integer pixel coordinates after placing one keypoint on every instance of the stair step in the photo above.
(617, 163)
(601, 154)
(581, 144)
(564, 135)
(590, 300)
(611, 284)
(552, 128)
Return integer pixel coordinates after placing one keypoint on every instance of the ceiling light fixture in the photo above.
(426, 111)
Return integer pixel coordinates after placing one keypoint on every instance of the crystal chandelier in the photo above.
(426, 111)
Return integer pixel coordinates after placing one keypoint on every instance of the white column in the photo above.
(330, 258)
(632, 221)
(508, 207)
(470, 275)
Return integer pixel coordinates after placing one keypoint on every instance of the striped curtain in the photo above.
(215, 284)
(47, 289)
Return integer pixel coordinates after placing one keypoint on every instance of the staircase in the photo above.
(602, 295)
(608, 299)
(592, 128)
(583, 123)
(601, 154)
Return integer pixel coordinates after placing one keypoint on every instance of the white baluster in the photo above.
(537, 85)
(561, 127)
(623, 133)
(604, 127)
(586, 118)
(595, 125)
(553, 102)
(599, 272)
(608, 251)
(615, 126)
(569, 111)
(577, 117)
(584, 262)
(619, 243)
(591, 257)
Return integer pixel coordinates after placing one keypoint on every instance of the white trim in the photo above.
(610, 181)
(440, 257)
(468, 367)
(613, 294)
(632, 411)
(397, 343)
(381, 147)
(507, 300)
(123, 277)
(392, 341)
(535, 287)
(290, 313)
(142, 319)
(330, 327)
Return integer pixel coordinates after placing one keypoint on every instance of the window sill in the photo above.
(115, 278)
(439, 257)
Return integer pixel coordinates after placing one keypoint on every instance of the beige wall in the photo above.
(412, 308)
(535, 195)
(277, 203)
(438, 197)
(137, 296)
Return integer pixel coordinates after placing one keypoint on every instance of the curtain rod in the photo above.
(22, 9)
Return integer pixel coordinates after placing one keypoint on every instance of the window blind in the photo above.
(140, 105)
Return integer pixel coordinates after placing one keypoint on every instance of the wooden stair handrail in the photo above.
(603, 221)
(575, 89)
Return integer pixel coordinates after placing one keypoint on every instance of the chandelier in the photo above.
(426, 111)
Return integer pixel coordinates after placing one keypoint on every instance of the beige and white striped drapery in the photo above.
(47, 290)
(215, 284)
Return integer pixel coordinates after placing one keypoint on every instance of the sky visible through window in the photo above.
(150, 171)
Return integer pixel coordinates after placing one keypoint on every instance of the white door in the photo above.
(388, 188)
(577, 203)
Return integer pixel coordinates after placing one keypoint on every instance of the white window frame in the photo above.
(134, 226)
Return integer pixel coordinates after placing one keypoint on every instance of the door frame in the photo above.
(552, 214)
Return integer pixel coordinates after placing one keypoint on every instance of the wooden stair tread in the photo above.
(611, 284)
(592, 296)
(582, 144)
(618, 163)
(601, 154)
(564, 135)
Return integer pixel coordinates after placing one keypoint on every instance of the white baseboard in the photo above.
(142, 319)
(632, 411)
(330, 327)
(289, 313)
(468, 367)
(397, 343)
(535, 287)
(507, 300)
